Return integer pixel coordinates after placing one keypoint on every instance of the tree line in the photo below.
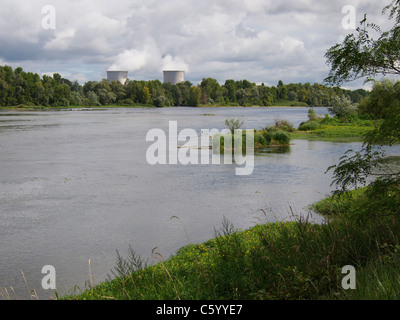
(18, 87)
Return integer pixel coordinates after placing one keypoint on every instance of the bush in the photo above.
(310, 126)
(312, 115)
(234, 124)
(342, 107)
(260, 140)
(281, 137)
(283, 125)
(276, 137)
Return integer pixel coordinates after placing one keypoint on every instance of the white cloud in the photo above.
(174, 63)
(147, 58)
(258, 40)
(62, 40)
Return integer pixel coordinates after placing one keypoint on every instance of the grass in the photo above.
(334, 129)
(262, 139)
(334, 206)
(273, 261)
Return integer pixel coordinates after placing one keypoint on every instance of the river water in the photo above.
(76, 185)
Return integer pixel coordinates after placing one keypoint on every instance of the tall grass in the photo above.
(282, 260)
(334, 127)
(262, 139)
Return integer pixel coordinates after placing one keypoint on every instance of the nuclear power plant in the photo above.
(174, 77)
(120, 76)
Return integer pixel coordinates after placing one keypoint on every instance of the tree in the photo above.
(231, 90)
(342, 107)
(234, 124)
(93, 99)
(146, 96)
(360, 55)
(282, 91)
(195, 96)
(368, 167)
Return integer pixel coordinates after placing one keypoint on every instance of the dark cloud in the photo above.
(258, 40)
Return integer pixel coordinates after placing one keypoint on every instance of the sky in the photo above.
(262, 41)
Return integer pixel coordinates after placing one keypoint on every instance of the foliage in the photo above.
(351, 128)
(342, 107)
(234, 124)
(342, 131)
(283, 125)
(262, 139)
(276, 137)
(21, 88)
(361, 55)
(282, 260)
(312, 115)
(310, 125)
(384, 104)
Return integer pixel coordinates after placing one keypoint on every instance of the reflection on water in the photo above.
(76, 186)
(269, 150)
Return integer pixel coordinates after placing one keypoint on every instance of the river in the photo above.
(76, 185)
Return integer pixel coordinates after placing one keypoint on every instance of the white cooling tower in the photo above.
(120, 76)
(174, 77)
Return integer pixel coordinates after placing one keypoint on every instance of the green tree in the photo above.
(342, 107)
(195, 96)
(145, 96)
(282, 91)
(230, 90)
(93, 99)
(361, 55)
(367, 57)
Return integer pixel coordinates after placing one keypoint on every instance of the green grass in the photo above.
(262, 139)
(336, 205)
(342, 131)
(334, 129)
(282, 260)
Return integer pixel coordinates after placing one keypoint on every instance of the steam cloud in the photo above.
(148, 59)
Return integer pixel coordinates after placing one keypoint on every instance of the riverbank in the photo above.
(39, 108)
(334, 129)
(43, 108)
(283, 260)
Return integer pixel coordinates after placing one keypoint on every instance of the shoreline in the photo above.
(77, 108)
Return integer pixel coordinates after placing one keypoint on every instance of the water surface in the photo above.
(75, 185)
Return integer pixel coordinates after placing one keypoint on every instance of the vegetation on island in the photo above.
(270, 136)
(299, 259)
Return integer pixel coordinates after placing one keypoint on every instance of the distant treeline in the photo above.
(29, 89)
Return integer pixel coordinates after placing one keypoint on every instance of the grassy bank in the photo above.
(333, 128)
(282, 260)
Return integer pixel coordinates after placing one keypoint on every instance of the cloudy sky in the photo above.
(258, 40)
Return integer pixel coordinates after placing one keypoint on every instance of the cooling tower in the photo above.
(174, 77)
(120, 76)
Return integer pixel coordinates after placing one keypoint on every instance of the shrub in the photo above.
(234, 124)
(276, 137)
(310, 126)
(312, 115)
(281, 137)
(283, 125)
(342, 107)
(260, 140)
